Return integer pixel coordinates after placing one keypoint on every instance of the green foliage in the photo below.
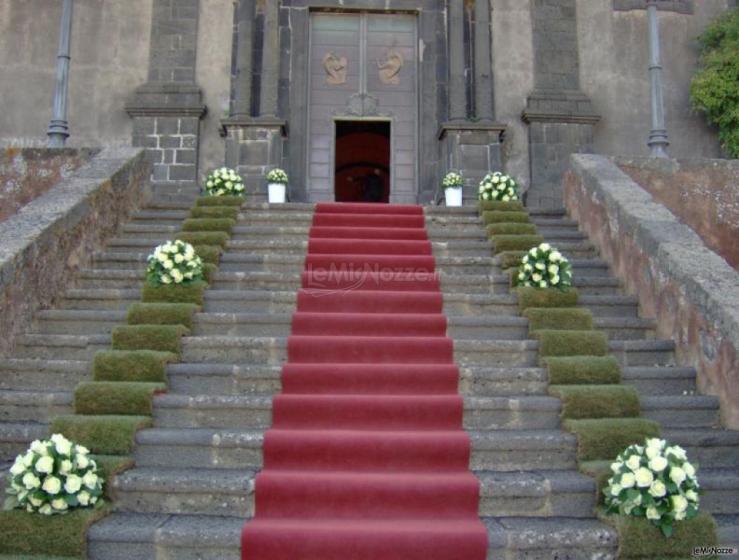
(559, 318)
(499, 205)
(204, 237)
(203, 212)
(571, 343)
(605, 438)
(538, 297)
(205, 201)
(502, 228)
(107, 435)
(114, 397)
(161, 314)
(131, 365)
(493, 217)
(597, 401)
(503, 243)
(56, 536)
(190, 293)
(208, 224)
(162, 338)
(715, 88)
(583, 370)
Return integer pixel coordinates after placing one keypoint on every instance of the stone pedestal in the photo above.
(166, 121)
(474, 148)
(253, 147)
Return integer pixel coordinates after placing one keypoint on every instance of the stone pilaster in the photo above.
(561, 118)
(484, 107)
(457, 81)
(242, 80)
(167, 109)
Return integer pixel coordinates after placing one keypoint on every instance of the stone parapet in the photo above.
(49, 240)
(690, 290)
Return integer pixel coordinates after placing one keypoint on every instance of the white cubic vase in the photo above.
(453, 196)
(276, 193)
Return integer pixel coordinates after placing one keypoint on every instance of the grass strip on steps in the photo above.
(505, 228)
(497, 216)
(210, 255)
(510, 259)
(162, 338)
(206, 201)
(162, 314)
(56, 536)
(115, 397)
(110, 466)
(583, 370)
(605, 438)
(501, 206)
(209, 224)
(571, 343)
(556, 318)
(206, 212)
(503, 243)
(535, 297)
(204, 237)
(104, 435)
(600, 471)
(640, 540)
(597, 401)
(131, 365)
(191, 293)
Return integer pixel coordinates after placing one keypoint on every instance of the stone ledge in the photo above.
(679, 6)
(47, 242)
(691, 291)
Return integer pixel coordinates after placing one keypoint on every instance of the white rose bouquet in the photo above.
(656, 481)
(54, 476)
(277, 176)
(224, 182)
(496, 186)
(544, 267)
(452, 180)
(174, 262)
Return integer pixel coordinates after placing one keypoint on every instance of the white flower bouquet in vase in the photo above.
(452, 184)
(497, 186)
(654, 481)
(224, 182)
(53, 477)
(174, 262)
(276, 186)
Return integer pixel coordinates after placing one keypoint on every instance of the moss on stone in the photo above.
(162, 314)
(181, 293)
(502, 243)
(605, 438)
(500, 206)
(559, 318)
(571, 343)
(583, 370)
(162, 338)
(131, 365)
(203, 212)
(206, 201)
(106, 435)
(497, 216)
(115, 397)
(209, 224)
(545, 297)
(210, 254)
(510, 259)
(597, 401)
(504, 228)
(219, 238)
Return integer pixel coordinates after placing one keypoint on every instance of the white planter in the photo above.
(453, 196)
(276, 193)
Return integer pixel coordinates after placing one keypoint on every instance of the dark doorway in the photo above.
(362, 172)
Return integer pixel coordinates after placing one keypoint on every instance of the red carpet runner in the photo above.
(367, 458)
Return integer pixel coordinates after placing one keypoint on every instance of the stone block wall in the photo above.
(27, 173)
(171, 144)
(49, 240)
(690, 290)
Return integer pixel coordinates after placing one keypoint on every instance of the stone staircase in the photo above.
(192, 487)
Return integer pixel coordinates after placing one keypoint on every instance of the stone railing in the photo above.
(691, 291)
(44, 245)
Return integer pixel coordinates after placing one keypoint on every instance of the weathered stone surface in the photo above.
(691, 291)
(50, 239)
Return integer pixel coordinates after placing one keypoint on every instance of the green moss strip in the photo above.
(204, 201)
(202, 212)
(638, 539)
(601, 472)
(503, 228)
(503, 243)
(163, 338)
(106, 435)
(131, 365)
(204, 237)
(559, 318)
(537, 297)
(597, 401)
(110, 466)
(114, 397)
(55, 535)
(209, 224)
(571, 343)
(605, 438)
(504, 217)
(500, 206)
(162, 314)
(510, 259)
(583, 370)
(183, 293)
(210, 254)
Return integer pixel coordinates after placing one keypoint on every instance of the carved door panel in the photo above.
(363, 66)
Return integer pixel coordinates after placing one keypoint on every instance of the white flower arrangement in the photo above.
(656, 481)
(174, 262)
(497, 186)
(277, 176)
(452, 180)
(224, 182)
(53, 477)
(544, 267)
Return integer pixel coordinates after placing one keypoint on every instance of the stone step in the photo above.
(556, 221)
(148, 231)
(160, 216)
(52, 375)
(610, 305)
(110, 279)
(33, 406)
(643, 352)
(720, 490)
(189, 537)
(228, 448)
(660, 380)
(728, 530)
(110, 299)
(698, 411)
(15, 437)
(60, 346)
(254, 412)
(712, 448)
(72, 321)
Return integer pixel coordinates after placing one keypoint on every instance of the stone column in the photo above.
(270, 60)
(483, 62)
(457, 82)
(243, 80)
(167, 110)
